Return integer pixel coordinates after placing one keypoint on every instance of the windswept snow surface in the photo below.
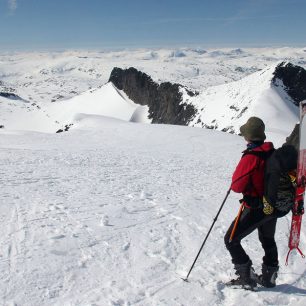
(113, 213)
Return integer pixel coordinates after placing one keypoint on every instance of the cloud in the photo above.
(12, 5)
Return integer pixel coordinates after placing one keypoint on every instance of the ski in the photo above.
(298, 208)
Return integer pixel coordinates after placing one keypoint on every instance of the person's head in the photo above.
(253, 130)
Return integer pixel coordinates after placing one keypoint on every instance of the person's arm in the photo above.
(242, 175)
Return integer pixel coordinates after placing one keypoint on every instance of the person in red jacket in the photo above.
(248, 179)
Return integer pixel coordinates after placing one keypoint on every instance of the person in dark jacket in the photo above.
(248, 179)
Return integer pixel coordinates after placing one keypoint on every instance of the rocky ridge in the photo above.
(174, 104)
(293, 79)
(167, 102)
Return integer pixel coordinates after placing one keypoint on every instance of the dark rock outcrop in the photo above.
(294, 79)
(65, 128)
(165, 100)
(6, 89)
(10, 95)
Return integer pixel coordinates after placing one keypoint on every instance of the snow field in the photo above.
(113, 213)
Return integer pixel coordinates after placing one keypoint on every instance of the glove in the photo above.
(267, 208)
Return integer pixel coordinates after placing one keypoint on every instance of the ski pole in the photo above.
(236, 222)
(215, 219)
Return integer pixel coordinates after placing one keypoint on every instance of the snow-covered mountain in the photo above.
(267, 93)
(224, 107)
(32, 84)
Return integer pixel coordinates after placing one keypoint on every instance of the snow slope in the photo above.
(21, 115)
(113, 213)
(226, 107)
(106, 101)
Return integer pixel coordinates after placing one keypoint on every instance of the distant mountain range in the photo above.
(42, 77)
(271, 92)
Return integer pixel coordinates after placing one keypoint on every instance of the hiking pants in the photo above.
(250, 220)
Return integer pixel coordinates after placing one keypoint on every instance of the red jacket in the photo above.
(248, 177)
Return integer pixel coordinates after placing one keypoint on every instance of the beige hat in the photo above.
(254, 129)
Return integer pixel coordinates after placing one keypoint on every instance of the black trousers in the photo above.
(250, 220)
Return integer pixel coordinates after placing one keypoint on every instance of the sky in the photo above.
(92, 24)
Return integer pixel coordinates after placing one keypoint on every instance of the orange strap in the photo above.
(236, 222)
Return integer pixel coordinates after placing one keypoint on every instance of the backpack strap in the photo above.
(261, 154)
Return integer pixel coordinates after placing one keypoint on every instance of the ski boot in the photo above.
(268, 277)
(245, 278)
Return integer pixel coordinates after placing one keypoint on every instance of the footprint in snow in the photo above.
(118, 303)
(176, 217)
(126, 246)
(58, 237)
(58, 253)
(105, 221)
(145, 196)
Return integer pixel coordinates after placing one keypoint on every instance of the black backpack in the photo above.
(279, 179)
(279, 186)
